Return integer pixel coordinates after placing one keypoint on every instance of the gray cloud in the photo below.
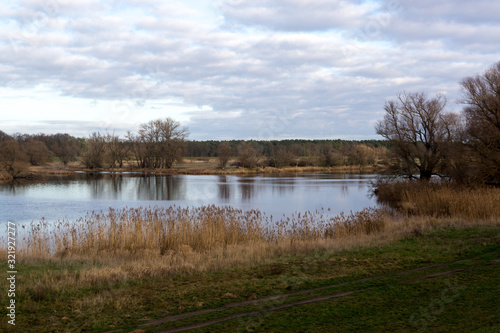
(325, 67)
(296, 15)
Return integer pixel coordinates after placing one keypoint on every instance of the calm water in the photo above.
(71, 197)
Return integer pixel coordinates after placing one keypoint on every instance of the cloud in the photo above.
(325, 66)
(297, 15)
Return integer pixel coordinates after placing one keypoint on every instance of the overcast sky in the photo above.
(234, 69)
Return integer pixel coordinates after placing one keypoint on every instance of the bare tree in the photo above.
(37, 152)
(4, 136)
(64, 146)
(418, 129)
(224, 152)
(94, 156)
(281, 157)
(481, 94)
(160, 143)
(361, 155)
(13, 159)
(248, 155)
(116, 151)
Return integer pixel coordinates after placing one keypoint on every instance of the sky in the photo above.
(234, 69)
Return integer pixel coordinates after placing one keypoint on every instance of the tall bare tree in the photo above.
(481, 94)
(160, 143)
(224, 152)
(116, 150)
(64, 146)
(418, 130)
(96, 148)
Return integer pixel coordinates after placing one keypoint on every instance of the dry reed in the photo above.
(440, 199)
(163, 230)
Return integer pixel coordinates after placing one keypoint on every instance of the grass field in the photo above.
(465, 300)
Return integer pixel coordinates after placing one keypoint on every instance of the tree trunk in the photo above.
(425, 175)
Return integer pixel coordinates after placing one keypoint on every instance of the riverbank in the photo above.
(378, 282)
(198, 167)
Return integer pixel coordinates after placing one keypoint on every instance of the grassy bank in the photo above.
(124, 269)
(194, 166)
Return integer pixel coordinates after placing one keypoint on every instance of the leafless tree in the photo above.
(281, 157)
(13, 159)
(95, 153)
(224, 152)
(64, 146)
(37, 152)
(481, 94)
(116, 150)
(248, 155)
(360, 155)
(418, 130)
(160, 143)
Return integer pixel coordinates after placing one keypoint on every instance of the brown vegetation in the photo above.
(248, 156)
(224, 152)
(168, 230)
(157, 241)
(13, 159)
(440, 199)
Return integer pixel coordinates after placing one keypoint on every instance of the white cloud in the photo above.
(297, 15)
(227, 69)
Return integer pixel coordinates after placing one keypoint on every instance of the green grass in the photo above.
(468, 304)
(389, 306)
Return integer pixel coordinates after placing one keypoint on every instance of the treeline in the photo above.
(160, 143)
(19, 150)
(283, 153)
(299, 147)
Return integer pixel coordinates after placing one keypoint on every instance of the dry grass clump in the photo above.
(440, 199)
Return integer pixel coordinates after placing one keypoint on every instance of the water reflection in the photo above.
(224, 188)
(247, 188)
(72, 196)
(158, 187)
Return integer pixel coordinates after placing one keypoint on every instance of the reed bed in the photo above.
(440, 199)
(165, 230)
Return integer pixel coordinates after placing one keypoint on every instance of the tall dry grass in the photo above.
(440, 199)
(162, 230)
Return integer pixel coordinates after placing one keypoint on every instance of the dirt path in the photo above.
(268, 309)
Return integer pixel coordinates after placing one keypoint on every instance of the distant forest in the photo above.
(298, 147)
(161, 143)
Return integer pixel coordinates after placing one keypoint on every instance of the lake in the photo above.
(71, 197)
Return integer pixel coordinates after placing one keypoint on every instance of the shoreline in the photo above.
(58, 170)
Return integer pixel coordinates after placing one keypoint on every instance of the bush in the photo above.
(248, 155)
